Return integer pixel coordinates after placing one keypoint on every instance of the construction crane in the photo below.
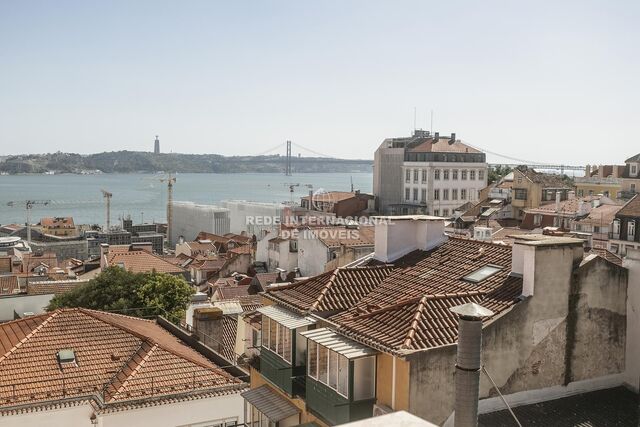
(28, 205)
(170, 180)
(107, 196)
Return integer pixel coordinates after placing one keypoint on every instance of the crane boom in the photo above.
(28, 205)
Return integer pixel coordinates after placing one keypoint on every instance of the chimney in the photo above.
(436, 136)
(601, 171)
(104, 251)
(207, 325)
(468, 362)
(615, 173)
(587, 171)
(396, 236)
(282, 273)
(572, 195)
(532, 253)
(558, 197)
(453, 138)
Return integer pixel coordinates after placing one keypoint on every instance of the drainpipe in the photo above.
(468, 362)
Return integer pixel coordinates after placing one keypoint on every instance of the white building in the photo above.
(254, 218)
(438, 174)
(190, 218)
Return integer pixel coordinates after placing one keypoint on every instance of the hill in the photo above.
(136, 161)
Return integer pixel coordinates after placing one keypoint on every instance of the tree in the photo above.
(135, 294)
(498, 172)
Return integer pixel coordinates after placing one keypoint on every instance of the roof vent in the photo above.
(66, 356)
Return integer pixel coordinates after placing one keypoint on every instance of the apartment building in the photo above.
(530, 189)
(380, 337)
(624, 230)
(427, 174)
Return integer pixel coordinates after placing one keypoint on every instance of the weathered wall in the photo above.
(572, 328)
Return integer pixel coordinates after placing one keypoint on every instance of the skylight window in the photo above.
(482, 273)
(66, 355)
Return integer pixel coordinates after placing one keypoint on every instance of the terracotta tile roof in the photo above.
(238, 238)
(546, 179)
(443, 145)
(229, 332)
(117, 357)
(570, 207)
(603, 215)
(57, 222)
(608, 255)
(632, 208)
(243, 249)
(332, 196)
(139, 261)
(265, 279)
(409, 309)
(232, 292)
(55, 287)
(334, 237)
(335, 290)
(9, 285)
(250, 302)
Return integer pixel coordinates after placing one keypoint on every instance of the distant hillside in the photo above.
(135, 161)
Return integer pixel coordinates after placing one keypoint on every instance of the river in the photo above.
(144, 197)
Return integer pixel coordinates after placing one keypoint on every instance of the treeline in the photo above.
(136, 161)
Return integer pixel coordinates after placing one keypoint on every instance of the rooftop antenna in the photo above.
(415, 112)
(431, 131)
(351, 183)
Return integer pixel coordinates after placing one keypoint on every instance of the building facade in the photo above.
(624, 230)
(437, 175)
(190, 218)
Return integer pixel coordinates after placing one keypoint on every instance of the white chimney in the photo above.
(396, 236)
(104, 251)
(482, 233)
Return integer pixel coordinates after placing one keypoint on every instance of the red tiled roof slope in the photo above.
(334, 290)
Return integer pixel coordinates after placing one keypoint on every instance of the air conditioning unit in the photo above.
(381, 410)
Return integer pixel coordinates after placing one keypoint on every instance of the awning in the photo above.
(338, 343)
(270, 403)
(285, 317)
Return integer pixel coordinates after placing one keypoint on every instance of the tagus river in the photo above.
(144, 197)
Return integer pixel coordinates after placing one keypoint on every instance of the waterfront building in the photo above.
(190, 218)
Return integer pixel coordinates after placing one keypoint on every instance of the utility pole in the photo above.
(107, 197)
(28, 204)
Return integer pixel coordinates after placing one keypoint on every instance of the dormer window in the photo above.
(634, 169)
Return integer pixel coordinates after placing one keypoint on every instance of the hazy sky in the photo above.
(545, 81)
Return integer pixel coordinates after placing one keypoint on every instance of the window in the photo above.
(631, 230)
(454, 174)
(481, 175)
(415, 194)
(285, 343)
(537, 220)
(323, 362)
(482, 273)
(423, 195)
(445, 194)
(463, 194)
(312, 365)
(436, 174)
(407, 194)
(343, 375)
(415, 175)
(333, 370)
(407, 175)
(616, 226)
(520, 194)
(633, 188)
(224, 422)
(472, 175)
(436, 212)
(424, 176)
(445, 174)
(464, 175)
(436, 194)
(273, 334)
(445, 213)
(634, 170)
(454, 194)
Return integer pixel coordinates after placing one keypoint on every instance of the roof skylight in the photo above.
(482, 273)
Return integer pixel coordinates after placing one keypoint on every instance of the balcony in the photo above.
(333, 407)
(288, 378)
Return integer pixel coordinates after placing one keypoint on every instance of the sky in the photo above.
(552, 82)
